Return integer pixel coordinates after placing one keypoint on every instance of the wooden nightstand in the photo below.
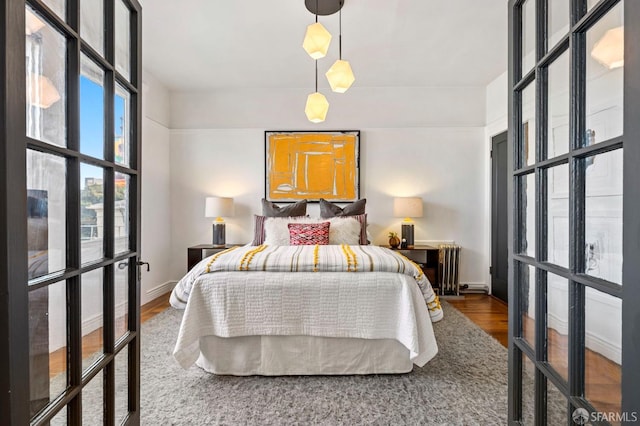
(196, 253)
(428, 259)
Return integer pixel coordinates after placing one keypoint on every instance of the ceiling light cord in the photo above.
(316, 14)
(340, 34)
(316, 61)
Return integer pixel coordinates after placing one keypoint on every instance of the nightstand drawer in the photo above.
(418, 256)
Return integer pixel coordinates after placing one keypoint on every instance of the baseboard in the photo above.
(159, 290)
(557, 323)
(95, 321)
(92, 323)
(604, 347)
(594, 342)
(475, 288)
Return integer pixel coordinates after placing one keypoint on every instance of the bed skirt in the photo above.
(302, 355)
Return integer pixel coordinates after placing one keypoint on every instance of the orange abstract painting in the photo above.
(312, 165)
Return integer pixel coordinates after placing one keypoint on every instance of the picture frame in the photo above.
(312, 165)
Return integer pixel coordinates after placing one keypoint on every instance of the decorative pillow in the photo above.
(328, 209)
(343, 230)
(270, 209)
(305, 234)
(276, 231)
(259, 231)
(362, 219)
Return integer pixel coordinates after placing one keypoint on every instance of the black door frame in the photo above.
(629, 292)
(14, 290)
(495, 222)
(14, 319)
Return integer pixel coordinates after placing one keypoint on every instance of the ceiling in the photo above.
(208, 44)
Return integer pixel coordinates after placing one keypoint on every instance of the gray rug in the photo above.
(465, 384)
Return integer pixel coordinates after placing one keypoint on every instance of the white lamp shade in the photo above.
(218, 207)
(316, 108)
(407, 207)
(340, 76)
(609, 50)
(316, 40)
(41, 92)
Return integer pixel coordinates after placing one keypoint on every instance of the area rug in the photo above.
(465, 384)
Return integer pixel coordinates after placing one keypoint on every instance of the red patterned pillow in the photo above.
(304, 234)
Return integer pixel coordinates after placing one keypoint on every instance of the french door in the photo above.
(574, 347)
(70, 210)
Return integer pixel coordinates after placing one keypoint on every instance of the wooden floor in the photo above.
(490, 314)
(154, 307)
(92, 342)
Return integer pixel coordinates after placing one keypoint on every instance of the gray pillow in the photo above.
(270, 209)
(328, 209)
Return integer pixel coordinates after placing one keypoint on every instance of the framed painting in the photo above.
(312, 165)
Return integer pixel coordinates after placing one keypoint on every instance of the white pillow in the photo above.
(342, 230)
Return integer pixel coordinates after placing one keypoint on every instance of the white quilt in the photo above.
(319, 259)
(338, 291)
(372, 305)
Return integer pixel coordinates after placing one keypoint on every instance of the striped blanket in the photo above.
(311, 258)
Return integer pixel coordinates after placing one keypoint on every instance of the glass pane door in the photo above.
(569, 198)
(82, 202)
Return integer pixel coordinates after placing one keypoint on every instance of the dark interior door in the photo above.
(499, 248)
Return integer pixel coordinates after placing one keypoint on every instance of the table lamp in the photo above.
(218, 207)
(407, 207)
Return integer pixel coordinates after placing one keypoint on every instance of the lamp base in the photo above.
(407, 235)
(218, 235)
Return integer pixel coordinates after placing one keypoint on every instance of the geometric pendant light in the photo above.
(317, 105)
(340, 75)
(609, 50)
(316, 39)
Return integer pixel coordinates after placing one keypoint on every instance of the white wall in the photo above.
(359, 108)
(156, 212)
(420, 142)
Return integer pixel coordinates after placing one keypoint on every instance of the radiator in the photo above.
(449, 259)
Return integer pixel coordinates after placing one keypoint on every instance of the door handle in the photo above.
(141, 263)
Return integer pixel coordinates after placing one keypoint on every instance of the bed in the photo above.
(308, 309)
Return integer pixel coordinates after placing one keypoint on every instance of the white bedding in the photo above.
(374, 300)
(301, 355)
(372, 305)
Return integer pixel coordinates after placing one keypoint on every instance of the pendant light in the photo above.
(316, 39)
(609, 50)
(340, 75)
(317, 105)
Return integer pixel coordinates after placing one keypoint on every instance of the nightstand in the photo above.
(196, 253)
(428, 259)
